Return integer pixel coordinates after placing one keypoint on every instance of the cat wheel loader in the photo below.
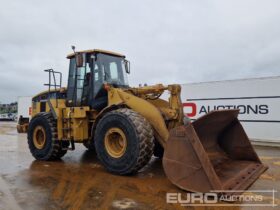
(127, 125)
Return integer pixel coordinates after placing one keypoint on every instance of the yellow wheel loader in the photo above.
(126, 126)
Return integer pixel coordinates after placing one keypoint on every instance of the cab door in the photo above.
(79, 84)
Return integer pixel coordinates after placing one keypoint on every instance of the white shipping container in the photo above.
(258, 100)
(24, 106)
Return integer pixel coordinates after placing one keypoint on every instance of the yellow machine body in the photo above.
(157, 111)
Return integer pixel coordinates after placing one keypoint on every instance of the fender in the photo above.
(143, 107)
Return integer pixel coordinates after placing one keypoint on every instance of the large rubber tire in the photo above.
(52, 149)
(158, 150)
(140, 141)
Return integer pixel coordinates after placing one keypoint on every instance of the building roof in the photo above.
(96, 51)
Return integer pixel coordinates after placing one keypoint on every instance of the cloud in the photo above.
(166, 41)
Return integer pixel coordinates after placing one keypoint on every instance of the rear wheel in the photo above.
(42, 138)
(124, 141)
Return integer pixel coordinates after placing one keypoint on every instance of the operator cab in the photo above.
(89, 71)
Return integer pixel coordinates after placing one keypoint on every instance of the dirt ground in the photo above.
(78, 181)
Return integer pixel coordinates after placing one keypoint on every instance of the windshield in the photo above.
(110, 69)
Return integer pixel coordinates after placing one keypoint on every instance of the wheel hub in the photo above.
(115, 142)
(39, 137)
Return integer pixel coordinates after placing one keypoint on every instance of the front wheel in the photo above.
(158, 150)
(124, 141)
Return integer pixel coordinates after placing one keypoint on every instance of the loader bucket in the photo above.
(211, 154)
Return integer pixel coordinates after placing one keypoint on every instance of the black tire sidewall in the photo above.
(40, 154)
(158, 150)
(123, 164)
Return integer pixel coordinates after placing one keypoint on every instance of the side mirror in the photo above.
(127, 66)
(79, 60)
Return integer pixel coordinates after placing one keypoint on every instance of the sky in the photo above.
(178, 41)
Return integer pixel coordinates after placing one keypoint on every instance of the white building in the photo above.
(258, 100)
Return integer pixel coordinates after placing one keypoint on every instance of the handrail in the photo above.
(52, 76)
